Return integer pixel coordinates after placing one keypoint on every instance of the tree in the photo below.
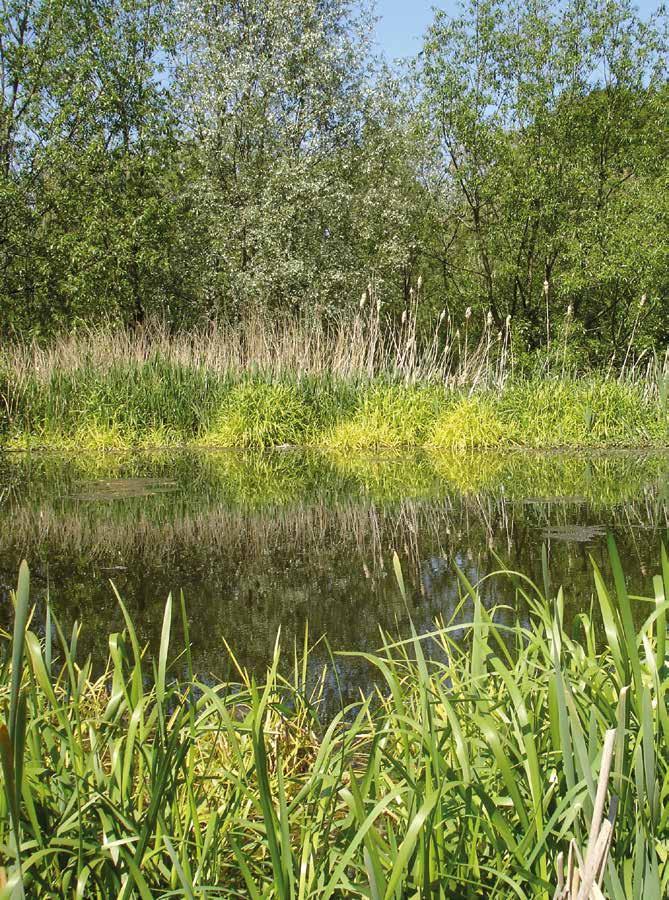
(274, 96)
(549, 130)
(85, 138)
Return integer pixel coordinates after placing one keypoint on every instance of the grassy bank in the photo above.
(467, 774)
(157, 405)
(259, 386)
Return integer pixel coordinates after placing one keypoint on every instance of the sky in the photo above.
(403, 22)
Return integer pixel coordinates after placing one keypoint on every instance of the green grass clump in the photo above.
(387, 417)
(471, 423)
(466, 773)
(259, 414)
(155, 400)
(130, 404)
(592, 413)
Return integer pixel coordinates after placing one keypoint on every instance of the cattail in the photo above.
(508, 322)
(643, 301)
(378, 305)
(363, 299)
(404, 317)
(489, 319)
(468, 313)
(442, 316)
(570, 311)
(410, 293)
(546, 286)
(420, 282)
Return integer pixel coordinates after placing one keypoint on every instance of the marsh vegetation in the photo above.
(360, 386)
(423, 309)
(466, 772)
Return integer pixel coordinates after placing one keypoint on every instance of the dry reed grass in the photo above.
(370, 345)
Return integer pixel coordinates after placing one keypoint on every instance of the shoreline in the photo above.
(194, 410)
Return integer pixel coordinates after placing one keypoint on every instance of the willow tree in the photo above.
(275, 94)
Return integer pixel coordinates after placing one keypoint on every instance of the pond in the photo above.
(266, 542)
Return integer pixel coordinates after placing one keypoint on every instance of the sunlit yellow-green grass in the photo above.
(466, 773)
(388, 417)
(472, 423)
(161, 404)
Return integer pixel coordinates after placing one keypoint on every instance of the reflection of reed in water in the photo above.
(317, 549)
(155, 535)
(262, 480)
(245, 577)
(310, 555)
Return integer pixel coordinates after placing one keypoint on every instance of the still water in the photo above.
(274, 541)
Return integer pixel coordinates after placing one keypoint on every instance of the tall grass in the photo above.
(368, 346)
(364, 384)
(470, 769)
(158, 406)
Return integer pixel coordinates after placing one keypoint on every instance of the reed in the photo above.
(469, 771)
(352, 386)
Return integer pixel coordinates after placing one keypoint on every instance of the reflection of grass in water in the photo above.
(389, 477)
(213, 496)
(288, 477)
(602, 481)
(469, 473)
(268, 479)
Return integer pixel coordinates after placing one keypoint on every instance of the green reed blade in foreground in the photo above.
(467, 772)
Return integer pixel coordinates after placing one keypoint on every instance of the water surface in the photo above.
(274, 541)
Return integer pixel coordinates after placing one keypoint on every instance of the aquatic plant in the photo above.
(355, 386)
(85, 411)
(471, 423)
(259, 414)
(470, 769)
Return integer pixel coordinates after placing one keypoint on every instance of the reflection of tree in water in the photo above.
(324, 561)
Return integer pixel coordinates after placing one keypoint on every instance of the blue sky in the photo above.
(403, 22)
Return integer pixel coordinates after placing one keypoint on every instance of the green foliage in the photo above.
(123, 405)
(387, 416)
(547, 118)
(472, 423)
(589, 413)
(259, 414)
(470, 768)
(202, 162)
